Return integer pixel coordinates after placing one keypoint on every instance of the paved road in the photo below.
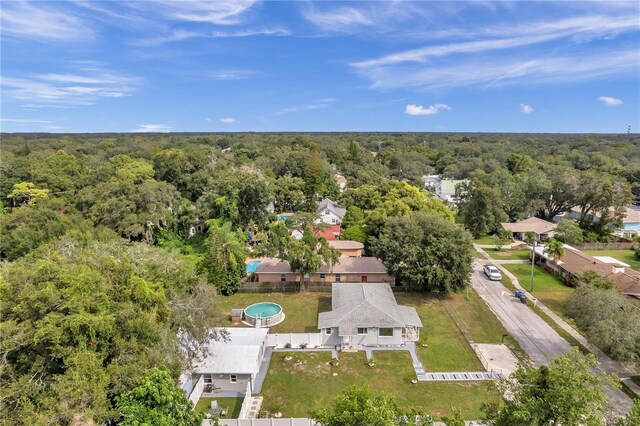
(535, 336)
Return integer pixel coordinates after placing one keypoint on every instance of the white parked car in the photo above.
(492, 273)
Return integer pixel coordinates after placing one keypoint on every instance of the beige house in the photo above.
(347, 247)
(350, 269)
(541, 229)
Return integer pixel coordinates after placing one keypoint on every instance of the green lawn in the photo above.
(626, 256)
(233, 406)
(300, 309)
(546, 287)
(488, 240)
(508, 254)
(306, 383)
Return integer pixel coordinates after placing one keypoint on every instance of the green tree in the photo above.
(84, 317)
(607, 318)
(456, 418)
(480, 207)
(288, 194)
(564, 393)
(569, 232)
(313, 175)
(426, 252)
(27, 193)
(224, 259)
(633, 417)
(157, 401)
(354, 233)
(555, 250)
(593, 278)
(359, 406)
(353, 217)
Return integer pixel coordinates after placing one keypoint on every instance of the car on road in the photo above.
(492, 273)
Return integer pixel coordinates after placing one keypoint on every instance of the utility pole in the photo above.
(533, 258)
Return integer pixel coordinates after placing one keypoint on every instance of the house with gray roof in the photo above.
(367, 315)
(330, 212)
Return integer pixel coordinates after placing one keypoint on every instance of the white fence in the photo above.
(197, 390)
(246, 403)
(281, 340)
(267, 422)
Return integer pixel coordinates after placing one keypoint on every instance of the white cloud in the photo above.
(277, 31)
(25, 20)
(212, 12)
(232, 74)
(339, 19)
(320, 103)
(153, 128)
(609, 101)
(228, 120)
(25, 121)
(526, 108)
(84, 86)
(413, 109)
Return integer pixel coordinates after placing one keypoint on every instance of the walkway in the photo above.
(334, 352)
(536, 337)
(264, 368)
(423, 376)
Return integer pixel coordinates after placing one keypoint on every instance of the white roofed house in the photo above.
(367, 315)
(231, 365)
(330, 212)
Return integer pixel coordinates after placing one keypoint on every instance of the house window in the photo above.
(327, 212)
(207, 379)
(233, 378)
(337, 278)
(327, 331)
(362, 330)
(283, 277)
(385, 332)
(333, 220)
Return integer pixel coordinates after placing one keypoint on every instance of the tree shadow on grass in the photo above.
(323, 305)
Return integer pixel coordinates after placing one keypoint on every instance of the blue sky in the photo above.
(89, 66)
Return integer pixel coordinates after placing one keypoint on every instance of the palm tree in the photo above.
(225, 256)
(555, 250)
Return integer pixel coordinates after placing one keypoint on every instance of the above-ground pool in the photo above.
(252, 266)
(263, 314)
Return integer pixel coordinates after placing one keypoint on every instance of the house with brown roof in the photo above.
(541, 229)
(349, 269)
(347, 247)
(574, 262)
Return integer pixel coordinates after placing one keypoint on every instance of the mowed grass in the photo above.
(626, 256)
(546, 287)
(489, 240)
(508, 254)
(233, 406)
(306, 383)
(300, 309)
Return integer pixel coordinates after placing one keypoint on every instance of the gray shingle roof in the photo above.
(365, 305)
(326, 203)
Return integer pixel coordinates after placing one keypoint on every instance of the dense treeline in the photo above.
(115, 246)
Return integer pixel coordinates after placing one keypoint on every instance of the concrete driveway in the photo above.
(535, 336)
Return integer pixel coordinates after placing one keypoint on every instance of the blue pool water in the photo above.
(263, 309)
(252, 267)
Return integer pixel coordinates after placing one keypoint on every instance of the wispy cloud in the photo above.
(24, 121)
(277, 31)
(153, 128)
(228, 120)
(85, 86)
(319, 104)
(412, 109)
(231, 74)
(339, 19)
(609, 101)
(526, 108)
(24, 19)
(213, 12)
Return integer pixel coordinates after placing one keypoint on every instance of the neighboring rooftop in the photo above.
(365, 305)
(347, 265)
(238, 355)
(532, 224)
(326, 203)
(346, 244)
